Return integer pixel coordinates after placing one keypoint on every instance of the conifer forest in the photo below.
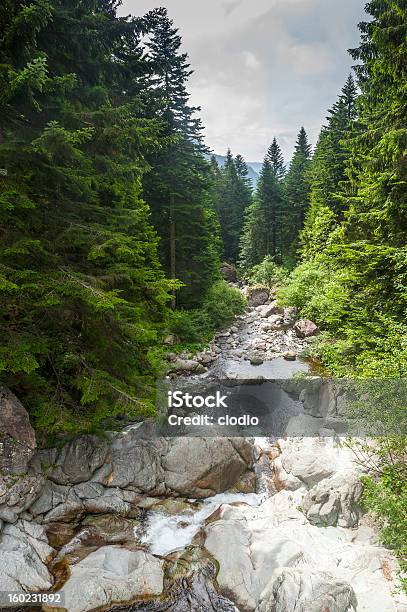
(118, 222)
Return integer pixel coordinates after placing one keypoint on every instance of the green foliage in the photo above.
(82, 292)
(296, 195)
(386, 496)
(267, 273)
(220, 306)
(262, 230)
(232, 196)
(178, 184)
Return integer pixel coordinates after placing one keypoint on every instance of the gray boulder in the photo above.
(17, 437)
(304, 328)
(306, 590)
(111, 575)
(24, 552)
(257, 296)
(335, 500)
(228, 272)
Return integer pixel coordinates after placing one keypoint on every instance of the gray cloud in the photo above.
(230, 6)
(265, 70)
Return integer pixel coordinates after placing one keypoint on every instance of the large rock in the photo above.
(76, 462)
(228, 272)
(255, 545)
(24, 552)
(17, 437)
(111, 575)
(305, 590)
(17, 493)
(257, 296)
(201, 467)
(270, 309)
(310, 460)
(304, 328)
(18, 486)
(136, 460)
(335, 500)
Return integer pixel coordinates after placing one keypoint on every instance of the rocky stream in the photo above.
(141, 522)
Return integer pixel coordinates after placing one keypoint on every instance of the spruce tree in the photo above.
(328, 171)
(179, 181)
(233, 198)
(82, 291)
(261, 235)
(296, 196)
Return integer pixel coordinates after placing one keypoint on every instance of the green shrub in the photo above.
(267, 273)
(220, 305)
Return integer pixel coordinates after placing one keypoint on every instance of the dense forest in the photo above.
(115, 218)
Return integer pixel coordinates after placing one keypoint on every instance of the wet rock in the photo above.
(228, 272)
(111, 575)
(255, 360)
(257, 296)
(269, 309)
(24, 552)
(289, 356)
(304, 328)
(335, 500)
(310, 591)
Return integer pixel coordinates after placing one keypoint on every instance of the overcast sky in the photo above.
(263, 68)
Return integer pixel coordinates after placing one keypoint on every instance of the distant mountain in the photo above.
(253, 168)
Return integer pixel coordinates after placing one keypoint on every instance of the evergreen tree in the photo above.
(328, 171)
(233, 198)
(82, 292)
(296, 195)
(261, 235)
(179, 181)
(275, 157)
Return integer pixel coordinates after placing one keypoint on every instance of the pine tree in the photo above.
(261, 235)
(179, 181)
(296, 195)
(82, 291)
(275, 157)
(328, 171)
(233, 198)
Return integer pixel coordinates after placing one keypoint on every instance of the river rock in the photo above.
(269, 309)
(289, 356)
(201, 467)
(186, 366)
(309, 459)
(257, 296)
(77, 461)
(309, 590)
(290, 315)
(228, 272)
(335, 500)
(17, 493)
(255, 545)
(24, 552)
(111, 575)
(17, 437)
(304, 328)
